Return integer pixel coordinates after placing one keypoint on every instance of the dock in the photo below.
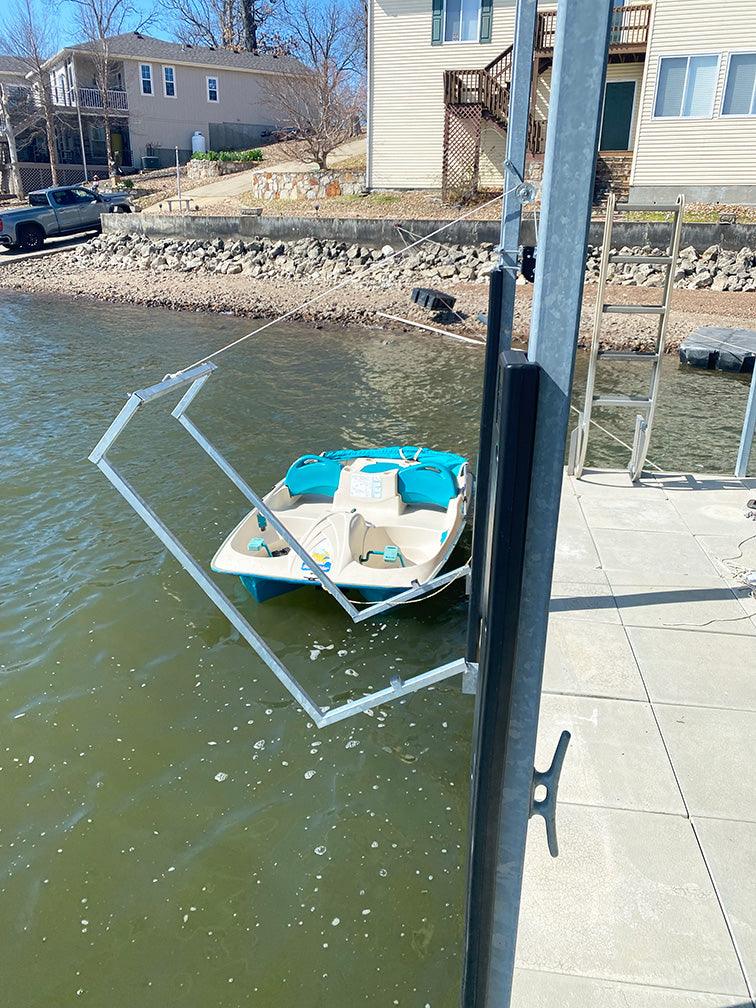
(651, 664)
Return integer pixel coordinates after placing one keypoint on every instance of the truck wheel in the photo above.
(31, 237)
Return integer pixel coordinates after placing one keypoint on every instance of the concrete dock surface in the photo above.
(651, 664)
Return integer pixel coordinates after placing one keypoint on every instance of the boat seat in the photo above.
(424, 485)
(314, 476)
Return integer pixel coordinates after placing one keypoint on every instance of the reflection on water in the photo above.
(172, 830)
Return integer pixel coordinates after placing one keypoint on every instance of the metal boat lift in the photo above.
(524, 421)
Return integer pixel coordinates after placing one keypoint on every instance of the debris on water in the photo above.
(335, 922)
(30, 760)
(260, 744)
(221, 776)
(309, 774)
(314, 653)
(351, 743)
(320, 851)
(365, 912)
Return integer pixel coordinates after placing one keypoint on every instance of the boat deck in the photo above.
(651, 664)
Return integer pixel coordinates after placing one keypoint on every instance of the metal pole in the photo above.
(749, 430)
(579, 70)
(178, 178)
(502, 290)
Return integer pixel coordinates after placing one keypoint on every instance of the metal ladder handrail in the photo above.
(643, 421)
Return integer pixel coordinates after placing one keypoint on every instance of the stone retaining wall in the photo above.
(273, 185)
(204, 171)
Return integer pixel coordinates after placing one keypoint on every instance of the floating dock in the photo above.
(651, 664)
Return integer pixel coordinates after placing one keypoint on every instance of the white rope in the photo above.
(345, 283)
(618, 440)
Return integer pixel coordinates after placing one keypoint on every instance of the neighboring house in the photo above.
(679, 110)
(159, 94)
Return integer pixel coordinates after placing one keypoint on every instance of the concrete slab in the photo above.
(628, 899)
(591, 658)
(713, 753)
(538, 989)
(730, 554)
(608, 483)
(650, 513)
(730, 852)
(714, 511)
(695, 667)
(576, 557)
(653, 558)
(616, 757)
(586, 601)
(714, 609)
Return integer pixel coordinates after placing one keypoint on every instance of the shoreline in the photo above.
(69, 275)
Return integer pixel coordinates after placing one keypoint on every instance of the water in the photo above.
(172, 830)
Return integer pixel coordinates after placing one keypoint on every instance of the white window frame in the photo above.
(168, 66)
(735, 115)
(150, 93)
(688, 56)
(475, 41)
(210, 100)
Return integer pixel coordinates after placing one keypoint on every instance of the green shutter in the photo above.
(486, 20)
(437, 24)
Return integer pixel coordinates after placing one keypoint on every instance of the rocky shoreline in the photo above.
(330, 282)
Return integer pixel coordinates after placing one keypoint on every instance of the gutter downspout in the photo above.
(78, 113)
(370, 85)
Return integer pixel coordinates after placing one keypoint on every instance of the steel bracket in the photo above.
(195, 378)
(549, 779)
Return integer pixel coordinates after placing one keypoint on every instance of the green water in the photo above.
(327, 868)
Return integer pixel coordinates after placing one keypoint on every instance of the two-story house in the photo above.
(679, 109)
(158, 95)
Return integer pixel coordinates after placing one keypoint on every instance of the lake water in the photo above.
(172, 830)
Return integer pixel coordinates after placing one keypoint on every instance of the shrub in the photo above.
(243, 155)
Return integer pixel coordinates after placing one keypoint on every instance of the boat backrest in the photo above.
(313, 475)
(426, 486)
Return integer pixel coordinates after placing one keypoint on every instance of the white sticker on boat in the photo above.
(365, 487)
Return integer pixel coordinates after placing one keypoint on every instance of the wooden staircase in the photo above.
(478, 96)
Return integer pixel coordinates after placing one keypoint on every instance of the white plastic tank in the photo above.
(198, 143)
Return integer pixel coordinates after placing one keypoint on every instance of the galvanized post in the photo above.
(576, 96)
(749, 430)
(502, 291)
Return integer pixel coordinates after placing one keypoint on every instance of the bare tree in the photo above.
(239, 25)
(320, 106)
(99, 21)
(29, 29)
(8, 129)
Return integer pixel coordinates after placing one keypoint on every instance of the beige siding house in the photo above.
(680, 98)
(158, 95)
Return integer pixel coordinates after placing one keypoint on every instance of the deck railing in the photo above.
(629, 29)
(92, 98)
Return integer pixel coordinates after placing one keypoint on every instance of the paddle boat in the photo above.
(377, 520)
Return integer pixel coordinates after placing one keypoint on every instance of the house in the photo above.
(158, 95)
(679, 109)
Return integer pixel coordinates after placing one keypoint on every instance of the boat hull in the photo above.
(262, 588)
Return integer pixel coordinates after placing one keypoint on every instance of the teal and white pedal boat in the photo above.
(379, 521)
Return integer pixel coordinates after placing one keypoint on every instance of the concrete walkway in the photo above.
(651, 664)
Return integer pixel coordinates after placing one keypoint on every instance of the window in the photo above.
(212, 89)
(740, 87)
(686, 87)
(169, 82)
(145, 73)
(461, 20)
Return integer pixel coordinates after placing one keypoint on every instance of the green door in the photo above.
(618, 115)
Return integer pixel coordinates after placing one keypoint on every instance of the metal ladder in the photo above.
(644, 404)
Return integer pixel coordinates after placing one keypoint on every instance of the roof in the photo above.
(13, 65)
(138, 46)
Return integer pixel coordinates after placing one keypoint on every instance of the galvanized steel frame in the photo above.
(749, 431)
(195, 378)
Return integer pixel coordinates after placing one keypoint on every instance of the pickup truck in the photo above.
(62, 210)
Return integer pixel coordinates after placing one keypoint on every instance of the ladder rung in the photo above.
(621, 400)
(657, 260)
(628, 355)
(635, 309)
(647, 207)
